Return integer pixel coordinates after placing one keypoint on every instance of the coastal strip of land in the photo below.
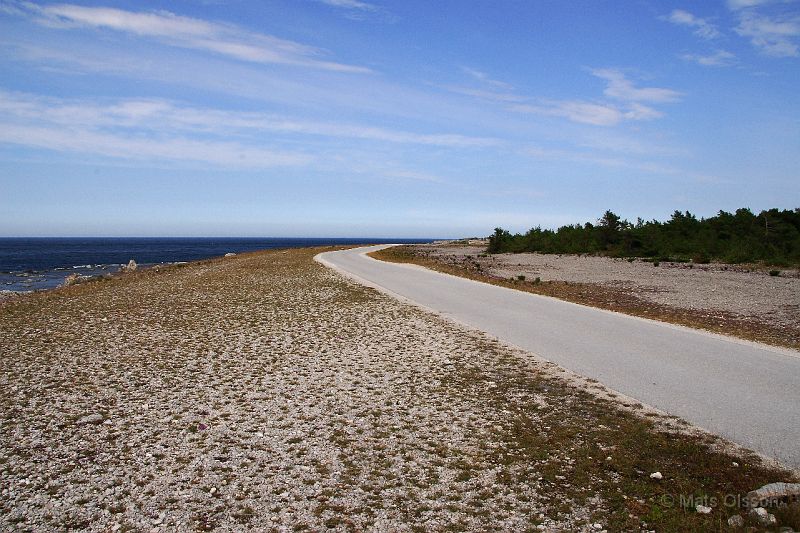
(267, 392)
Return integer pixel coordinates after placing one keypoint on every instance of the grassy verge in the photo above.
(579, 447)
(610, 298)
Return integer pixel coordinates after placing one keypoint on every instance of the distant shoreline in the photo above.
(29, 264)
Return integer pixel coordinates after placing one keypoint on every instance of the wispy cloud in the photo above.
(226, 154)
(485, 78)
(720, 58)
(619, 87)
(596, 113)
(702, 28)
(592, 158)
(575, 111)
(351, 4)
(126, 130)
(743, 4)
(774, 36)
(483, 94)
(484, 87)
(358, 10)
(185, 32)
(162, 130)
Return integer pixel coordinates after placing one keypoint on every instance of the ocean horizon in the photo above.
(37, 263)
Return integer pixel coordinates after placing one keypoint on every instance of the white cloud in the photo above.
(720, 58)
(483, 94)
(580, 111)
(186, 32)
(743, 4)
(621, 88)
(773, 36)
(228, 154)
(606, 114)
(485, 78)
(576, 111)
(638, 111)
(413, 175)
(350, 4)
(702, 28)
(161, 130)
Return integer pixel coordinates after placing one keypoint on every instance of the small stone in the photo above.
(95, 418)
(702, 509)
(657, 476)
(736, 521)
(763, 517)
(230, 254)
(597, 526)
(735, 464)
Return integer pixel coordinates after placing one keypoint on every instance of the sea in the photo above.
(30, 264)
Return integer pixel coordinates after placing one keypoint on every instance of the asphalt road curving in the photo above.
(746, 392)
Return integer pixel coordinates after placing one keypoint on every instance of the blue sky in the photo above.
(405, 119)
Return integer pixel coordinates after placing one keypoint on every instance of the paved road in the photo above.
(745, 392)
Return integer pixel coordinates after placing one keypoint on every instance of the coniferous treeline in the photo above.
(771, 236)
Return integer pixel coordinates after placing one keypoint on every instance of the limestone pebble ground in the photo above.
(265, 392)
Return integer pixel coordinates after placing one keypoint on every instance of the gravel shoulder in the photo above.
(743, 301)
(266, 392)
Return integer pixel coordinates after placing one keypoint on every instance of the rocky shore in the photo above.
(265, 392)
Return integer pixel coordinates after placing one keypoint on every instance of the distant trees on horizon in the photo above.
(772, 237)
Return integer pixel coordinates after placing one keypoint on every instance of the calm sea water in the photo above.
(28, 264)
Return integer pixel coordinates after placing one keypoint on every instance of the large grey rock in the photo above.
(774, 494)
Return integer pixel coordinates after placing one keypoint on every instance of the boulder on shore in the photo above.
(130, 267)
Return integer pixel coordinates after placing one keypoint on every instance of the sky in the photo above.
(377, 118)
